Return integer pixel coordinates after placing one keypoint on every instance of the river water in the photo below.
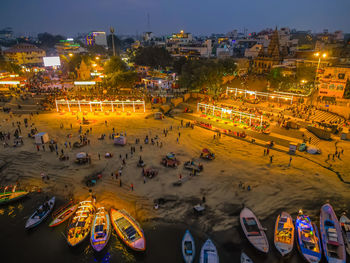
(163, 241)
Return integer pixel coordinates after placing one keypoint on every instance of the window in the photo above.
(340, 87)
(341, 76)
(331, 86)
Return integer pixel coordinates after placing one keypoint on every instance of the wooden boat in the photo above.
(40, 214)
(253, 230)
(345, 227)
(80, 224)
(100, 230)
(308, 241)
(245, 258)
(128, 230)
(209, 254)
(188, 247)
(62, 214)
(8, 196)
(284, 233)
(332, 239)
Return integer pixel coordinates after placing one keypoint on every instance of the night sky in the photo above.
(166, 16)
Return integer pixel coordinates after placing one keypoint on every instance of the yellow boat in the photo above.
(128, 230)
(284, 233)
(80, 225)
(8, 196)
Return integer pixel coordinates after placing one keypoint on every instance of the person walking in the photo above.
(290, 160)
(132, 187)
(99, 156)
(271, 157)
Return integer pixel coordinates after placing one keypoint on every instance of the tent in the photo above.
(121, 140)
(81, 155)
(41, 138)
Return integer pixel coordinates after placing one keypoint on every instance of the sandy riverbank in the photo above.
(274, 186)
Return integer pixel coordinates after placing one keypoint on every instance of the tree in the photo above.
(9, 66)
(49, 41)
(156, 57)
(123, 79)
(96, 50)
(115, 64)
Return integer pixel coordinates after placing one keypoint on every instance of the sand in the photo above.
(274, 187)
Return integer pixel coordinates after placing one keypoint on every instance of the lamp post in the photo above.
(319, 55)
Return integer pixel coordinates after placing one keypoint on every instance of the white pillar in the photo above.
(90, 106)
(101, 105)
(56, 105)
(123, 105)
(79, 105)
(291, 101)
(250, 120)
(112, 106)
(261, 118)
(144, 106)
(133, 105)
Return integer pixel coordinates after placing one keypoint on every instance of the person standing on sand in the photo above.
(120, 182)
(37, 147)
(132, 187)
(271, 157)
(99, 156)
(290, 160)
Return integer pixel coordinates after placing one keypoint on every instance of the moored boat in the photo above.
(8, 195)
(40, 214)
(332, 239)
(80, 224)
(100, 230)
(308, 240)
(128, 230)
(63, 214)
(253, 230)
(209, 253)
(188, 247)
(345, 226)
(245, 258)
(284, 233)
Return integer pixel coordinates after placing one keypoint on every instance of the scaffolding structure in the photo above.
(229, 111)
(113, 104)
(281, 95)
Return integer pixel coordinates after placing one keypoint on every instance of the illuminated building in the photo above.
(333, 81)
(25, 54)
(96, 38)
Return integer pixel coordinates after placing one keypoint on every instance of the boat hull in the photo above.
(15, 196)
(33, 222)
(255, 235)
(209, 253)
(63, 216)
(331, 234)
(345, 225)
(308, 255)
(137, 245)
(284, 234)
(188, 258)
(99, 243)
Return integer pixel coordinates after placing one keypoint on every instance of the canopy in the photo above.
(81, 155)
(121, 140)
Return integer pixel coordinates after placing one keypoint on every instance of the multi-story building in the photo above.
(25, 54)
(333, 81)
(96, 38)
(66, 47)
(183, 45)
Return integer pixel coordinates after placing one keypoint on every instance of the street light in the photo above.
(319, 55)
(70, 54)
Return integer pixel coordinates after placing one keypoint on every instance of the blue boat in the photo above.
(188, 247)
(332, 239)
(308, 240)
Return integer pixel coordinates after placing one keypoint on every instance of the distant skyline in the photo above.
(69, 17)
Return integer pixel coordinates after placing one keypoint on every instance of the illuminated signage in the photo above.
(9, 82)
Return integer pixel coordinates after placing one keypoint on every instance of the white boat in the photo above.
(253, 230)
(209, 254)
(188, 247)
(245, 258)
(345, 227)
(40, 214)
(332, 239)
(284, 233)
